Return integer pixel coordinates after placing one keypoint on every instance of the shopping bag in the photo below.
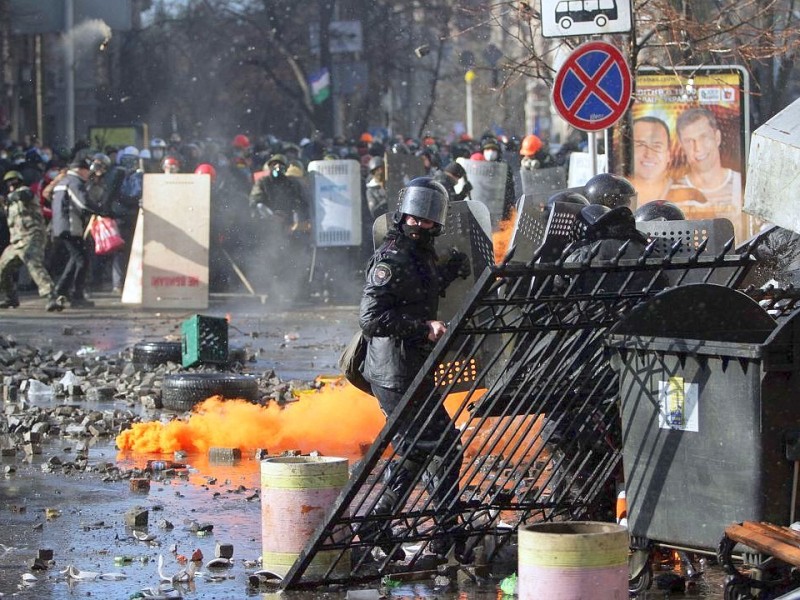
(351, 360)
(106, 235)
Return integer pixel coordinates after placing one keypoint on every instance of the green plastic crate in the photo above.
(204, 340)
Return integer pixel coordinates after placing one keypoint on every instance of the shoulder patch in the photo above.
(380, 275)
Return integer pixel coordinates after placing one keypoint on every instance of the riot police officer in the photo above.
(398, 315)
(610, 190)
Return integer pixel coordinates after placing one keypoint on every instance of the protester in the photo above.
(27, 240)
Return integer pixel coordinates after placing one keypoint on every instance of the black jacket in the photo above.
(404, 283)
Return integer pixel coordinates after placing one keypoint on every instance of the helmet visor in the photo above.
(425, 203)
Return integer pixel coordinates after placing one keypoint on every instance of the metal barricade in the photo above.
(539, 424)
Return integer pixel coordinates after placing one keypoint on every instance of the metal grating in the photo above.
(538, 427)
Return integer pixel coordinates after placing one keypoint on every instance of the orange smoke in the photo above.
(502, 237)
(336, 420)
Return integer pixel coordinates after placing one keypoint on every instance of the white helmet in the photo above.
(145, 153)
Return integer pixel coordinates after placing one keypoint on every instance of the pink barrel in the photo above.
(573, 561)
(296, 494)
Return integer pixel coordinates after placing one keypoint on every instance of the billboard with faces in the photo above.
(689, 133)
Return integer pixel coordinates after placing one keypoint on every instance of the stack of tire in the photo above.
(182, 391)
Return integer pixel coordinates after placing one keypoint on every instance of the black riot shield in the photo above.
(400, 169)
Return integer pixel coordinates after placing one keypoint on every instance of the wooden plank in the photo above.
(782, 534)
(760, 539)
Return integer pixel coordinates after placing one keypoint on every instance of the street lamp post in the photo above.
(469, 77)
(69, 59)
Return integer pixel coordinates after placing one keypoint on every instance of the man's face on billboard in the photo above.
(650, 151)
(700, 142)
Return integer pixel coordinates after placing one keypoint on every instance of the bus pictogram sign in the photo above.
(593, 88)
(568, 18)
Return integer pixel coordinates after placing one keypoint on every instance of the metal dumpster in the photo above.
(708, 389)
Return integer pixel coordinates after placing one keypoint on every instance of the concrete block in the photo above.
(137, 517)
(772, 186)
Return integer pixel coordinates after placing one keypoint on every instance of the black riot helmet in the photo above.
(568, 197)
(586, 221)
(596, 222)
(659, 210)
(610, 190)
(424, 198)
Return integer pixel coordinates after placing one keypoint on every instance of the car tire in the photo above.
(182, 391)
(152, 354)
(565, 23)
(601, 21)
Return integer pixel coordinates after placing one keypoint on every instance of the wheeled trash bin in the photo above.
(708, 388)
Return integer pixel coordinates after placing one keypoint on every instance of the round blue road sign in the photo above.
(592, 89)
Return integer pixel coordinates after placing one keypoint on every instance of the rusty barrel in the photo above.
(296, 494)
(573, 561)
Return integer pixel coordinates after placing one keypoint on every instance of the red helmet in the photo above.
(206, 169)
(241, 141)
(172, 162)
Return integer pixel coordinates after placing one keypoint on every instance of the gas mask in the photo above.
(278, 170)
(417, 233)
(490, 155)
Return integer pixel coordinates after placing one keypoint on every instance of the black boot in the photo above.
(55, 302)
(80, 301)
(398, 479)
(11, 301)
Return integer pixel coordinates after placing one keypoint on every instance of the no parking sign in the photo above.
(593, 88)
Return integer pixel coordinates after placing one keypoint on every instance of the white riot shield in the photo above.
(543, 183)
(581, 170)
(175, 238)
(400, 169)
(336, 206)
(488, 181)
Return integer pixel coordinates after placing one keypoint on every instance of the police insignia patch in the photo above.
(381, 274)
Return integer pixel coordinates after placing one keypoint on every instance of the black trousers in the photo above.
(72, 281)
(438, 445)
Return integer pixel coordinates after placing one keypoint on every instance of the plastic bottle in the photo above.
(161, 465)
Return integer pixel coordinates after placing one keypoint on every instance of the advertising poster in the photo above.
(689, 141)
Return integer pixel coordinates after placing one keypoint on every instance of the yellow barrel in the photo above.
(296, 494)
(573, 561)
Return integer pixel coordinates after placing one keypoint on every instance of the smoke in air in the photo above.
(336, 420)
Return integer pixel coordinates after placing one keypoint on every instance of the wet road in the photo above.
(86, 526)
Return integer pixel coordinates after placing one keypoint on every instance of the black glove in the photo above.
(458, 264)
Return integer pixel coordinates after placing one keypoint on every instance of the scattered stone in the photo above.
(136, 517)
(140, 484)
(36, 564)
(224, 454)
(223, 550)
(44, 554)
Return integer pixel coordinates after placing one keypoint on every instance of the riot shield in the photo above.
(488, 181)
(468, 230)
(400, 169)
(543, 183)
(336, 202)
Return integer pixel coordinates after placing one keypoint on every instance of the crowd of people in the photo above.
(258, 207)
